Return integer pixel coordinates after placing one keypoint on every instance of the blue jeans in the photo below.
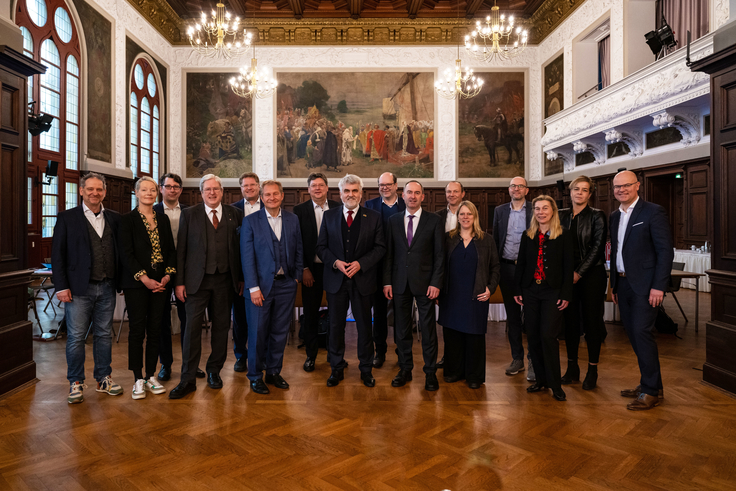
(96, 307)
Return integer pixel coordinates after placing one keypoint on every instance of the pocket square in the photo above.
(634, 225)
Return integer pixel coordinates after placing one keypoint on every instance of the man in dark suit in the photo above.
(208, 276)
(271, 252)
(84, 256)
(351, 245)
(250, 187)
(641, 262)
(310, 215)
(413, 271)
(171, 188)
(510, 221)
(388, 204)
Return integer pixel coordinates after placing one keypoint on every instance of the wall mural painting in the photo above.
(491, 128)
(219, 127)
(360, 123)
(554, 93)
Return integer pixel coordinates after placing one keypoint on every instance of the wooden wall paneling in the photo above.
(698, 215)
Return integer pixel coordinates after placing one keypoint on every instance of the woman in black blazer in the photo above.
(148, 257)
(472, 271)
(544, 275)
(588, 229)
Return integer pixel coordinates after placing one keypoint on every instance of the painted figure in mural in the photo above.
(330, 155)
(378, 143)
(500, 124)
(348, 143)
(408, 146)
(301, 147)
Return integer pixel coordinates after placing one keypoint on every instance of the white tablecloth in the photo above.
(694, 263)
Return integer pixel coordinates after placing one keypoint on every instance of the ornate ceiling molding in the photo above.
(549, 16)
(688, 123)
(162, 17)
(596, 149)
(634, 139)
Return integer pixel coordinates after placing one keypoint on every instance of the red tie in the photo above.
(350, 217)
(215, 221)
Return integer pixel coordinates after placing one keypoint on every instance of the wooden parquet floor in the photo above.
(351, 437)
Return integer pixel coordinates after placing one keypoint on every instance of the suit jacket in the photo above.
(258, 254)
(136, 248)
(369, 249)
(488, 273)
(646, 249)
(192, 245)
(443, 216)
(419, 265)
(240, 205)
(558, 263)
(71, 251)
(501, 223)
(308, 224)
(375, 204)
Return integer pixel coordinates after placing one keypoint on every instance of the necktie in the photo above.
(350, 217)
(215, 221)
(410, 229)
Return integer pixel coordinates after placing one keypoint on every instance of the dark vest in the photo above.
(279, 248)
(350, 236)
(389, 211)
(217, 247)
(103, 253)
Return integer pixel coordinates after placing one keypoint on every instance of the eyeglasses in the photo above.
(624, 186)
(174, 187)
(517, 186)
(385, 185)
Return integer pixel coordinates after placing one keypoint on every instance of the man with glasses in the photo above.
(641, 262)
(388, 204)
(510, 221)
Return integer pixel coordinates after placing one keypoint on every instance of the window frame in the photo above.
(135, 162)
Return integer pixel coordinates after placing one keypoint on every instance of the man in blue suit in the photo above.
(387, 204)
(250, 187)
(84, 256)
(271, 252)
(641, 263)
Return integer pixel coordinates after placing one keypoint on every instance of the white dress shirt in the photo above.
(174, 214)
(209, 213)
(396, 202)
(623, 222)
(415, 225)
(275, 223)
(345, 212)
(451, 220)
(318, 214)
(97, 221)
(251, 208)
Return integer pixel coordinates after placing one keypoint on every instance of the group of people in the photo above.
(244, 262)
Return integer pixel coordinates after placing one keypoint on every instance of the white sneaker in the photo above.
(76, 393)
(154, 386)
(139, 389)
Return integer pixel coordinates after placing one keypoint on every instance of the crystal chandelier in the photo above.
(456, 85)
(252, 83)
(218, 36)
(496, 38)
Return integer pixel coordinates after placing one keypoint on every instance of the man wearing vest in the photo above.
(84, 257)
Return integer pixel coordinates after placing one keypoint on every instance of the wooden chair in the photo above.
(32, 306)
(674, 286)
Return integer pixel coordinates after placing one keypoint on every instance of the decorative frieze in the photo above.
(634, 139)
(688, 123)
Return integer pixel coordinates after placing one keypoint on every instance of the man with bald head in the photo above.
(641, 261)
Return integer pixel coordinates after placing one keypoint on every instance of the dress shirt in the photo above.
(451, 220)
(209, 213)
(174, 214)
(249, 208)
(345, 212)
(416, 222)
(275, 223)
(318, 214)
(97, 221)
(516, 227)
(623, 222)
(396, 202)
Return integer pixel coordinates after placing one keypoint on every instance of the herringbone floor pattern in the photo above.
(350, 437)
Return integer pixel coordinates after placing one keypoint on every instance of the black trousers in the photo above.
(589, 295)
(240, 327)
(465, 355)
(638, 318)
(543, 321)
(145, 310)
(380, 317)
(513, 311)
(427, 324)
(165, 350)
(361, 304)
(215, 292)
(311, 302)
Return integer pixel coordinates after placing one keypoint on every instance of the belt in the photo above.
(539, 282)
(508, 261)
(279, 276)
(622, 275)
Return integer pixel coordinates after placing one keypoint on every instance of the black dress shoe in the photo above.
(277, 381)
(259, 387)
(241, 365)
(368, 379)
(401, 378)
(441, 363)
(214, 381)
(335, 378)
(453, 379)
(200, 373)
(474, 385)
(537, 387)
(559, 394)
(378, 361)
(182, 389)
(431, 384)
(164, 374)
(309, 365)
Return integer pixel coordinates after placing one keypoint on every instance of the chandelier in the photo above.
(456, 85)
(218, 36)
(252, 83)
(495, 38)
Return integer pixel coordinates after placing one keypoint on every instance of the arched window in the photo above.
(145, 113)
(51, 37)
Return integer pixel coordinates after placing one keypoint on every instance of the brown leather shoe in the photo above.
(636, 392)
(643, 403)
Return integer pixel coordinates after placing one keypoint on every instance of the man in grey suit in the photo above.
(209, 275)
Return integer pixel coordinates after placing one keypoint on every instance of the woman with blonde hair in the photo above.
(544, 279)
(472, 271)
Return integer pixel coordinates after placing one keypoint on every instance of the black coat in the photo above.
(136, 248)
(591, 237)
(488, 273)
(558, 263)
(308, 224)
